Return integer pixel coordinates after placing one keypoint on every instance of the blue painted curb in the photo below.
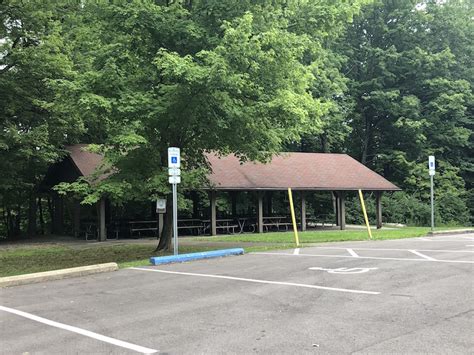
(195, 256)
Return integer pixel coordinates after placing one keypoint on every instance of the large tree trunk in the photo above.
(32, 209)
(324, 143)
(165, 240)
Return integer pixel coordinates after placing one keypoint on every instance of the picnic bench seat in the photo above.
(228, 225)
(193, 225)
(142, 226)
(267, 226)
(228, 228)
(269, 222)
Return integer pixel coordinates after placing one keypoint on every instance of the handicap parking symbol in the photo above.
(345, 270)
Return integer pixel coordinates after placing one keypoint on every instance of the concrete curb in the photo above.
(456, 231)
(195, 256)
(56, 274)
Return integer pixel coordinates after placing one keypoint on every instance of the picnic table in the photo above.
(142, 226)
(226, 224)
(192, 225)
(321, 220)
(90, 230)
(243, 222)
(276, 221)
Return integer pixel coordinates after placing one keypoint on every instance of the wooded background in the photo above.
(388, 82)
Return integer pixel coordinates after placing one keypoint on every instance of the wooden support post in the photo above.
(77, 218)
(233, 202)
(303, 211)
(213, 212)
(342, 210)
(378, 208)
(102, 228)
(260, 212)
(336, 208)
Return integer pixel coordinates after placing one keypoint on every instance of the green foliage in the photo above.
(411, 83)
(203, 76)
(32, 53)
(389, 82)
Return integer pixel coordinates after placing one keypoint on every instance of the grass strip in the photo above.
(37, 258)
(321, 236)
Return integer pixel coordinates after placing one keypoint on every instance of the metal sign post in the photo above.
(160, 210)
(174, 172)
(432, 171)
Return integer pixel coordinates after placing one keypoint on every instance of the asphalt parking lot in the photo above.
(395, 296)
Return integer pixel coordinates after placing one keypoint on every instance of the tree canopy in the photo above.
(389, 82)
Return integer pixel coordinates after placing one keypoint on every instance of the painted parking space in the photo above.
(244, 304)
(433, 255)
(440, 249)
(260, 281)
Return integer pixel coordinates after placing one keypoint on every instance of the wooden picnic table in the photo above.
(276, 221)
(142, 226)
(242, 221)
(227, 224)
(191, 224)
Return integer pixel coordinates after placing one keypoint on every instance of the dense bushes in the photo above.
(405, 208)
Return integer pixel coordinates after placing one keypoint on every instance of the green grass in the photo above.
(323, 236)
(37, 258)
(45, 258)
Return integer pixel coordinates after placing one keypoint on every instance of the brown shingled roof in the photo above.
(300, 171)
(85, 161)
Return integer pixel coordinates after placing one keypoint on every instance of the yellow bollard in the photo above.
(293, 219)
(365, 213)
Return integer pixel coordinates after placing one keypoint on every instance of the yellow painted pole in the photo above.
(293, 219)
(365, 213)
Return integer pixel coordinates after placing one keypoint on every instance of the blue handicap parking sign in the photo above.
(174, 160)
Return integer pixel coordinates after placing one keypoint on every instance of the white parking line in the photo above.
(344, 270)
(367, 257)
(258, 281)
(396, 249)
(87, 333)
(296, 251)
(421, 255)
(431, 239)
(352, 252)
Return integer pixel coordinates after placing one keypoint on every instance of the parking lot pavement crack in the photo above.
(460, 314)
(383, 341)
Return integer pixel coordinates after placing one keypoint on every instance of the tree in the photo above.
(221, 76)
(411, 83)
(32, 53)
